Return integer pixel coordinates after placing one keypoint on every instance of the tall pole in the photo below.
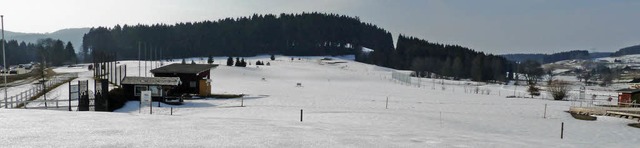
(153, 57)
(150, 55)
(44, 85)
(145, 60)
(4, 58)
(139, 72)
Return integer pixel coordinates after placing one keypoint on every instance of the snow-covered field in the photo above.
(344, 106)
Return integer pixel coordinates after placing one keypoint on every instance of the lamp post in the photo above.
(4, 59)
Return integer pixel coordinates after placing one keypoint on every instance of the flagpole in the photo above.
(4, 59)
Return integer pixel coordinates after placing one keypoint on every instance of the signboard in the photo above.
(145, 96)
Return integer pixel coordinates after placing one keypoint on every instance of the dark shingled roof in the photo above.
(166, 81)
(184, 68)
(628, 90)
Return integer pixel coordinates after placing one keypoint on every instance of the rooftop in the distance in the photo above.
(184, 68)
(628, 90)
(166, 81)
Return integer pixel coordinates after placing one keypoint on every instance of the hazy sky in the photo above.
(494, 26)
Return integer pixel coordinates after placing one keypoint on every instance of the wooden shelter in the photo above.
(627, 96)
(195, 78)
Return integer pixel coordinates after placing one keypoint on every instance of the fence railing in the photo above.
(24, 97)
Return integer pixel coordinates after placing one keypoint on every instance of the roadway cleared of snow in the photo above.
(344, 106)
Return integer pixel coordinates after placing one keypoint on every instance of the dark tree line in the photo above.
(55, 52)
(627, 51)
(20, 53)
(426, 58)
(304, 34)
(575, 54)
(560, 56)
(289, 34)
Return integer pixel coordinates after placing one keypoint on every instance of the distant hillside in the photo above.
(627, 51)
(567, 55)
(594, 55)
(550, 58)
(74, 35)
(524, 57)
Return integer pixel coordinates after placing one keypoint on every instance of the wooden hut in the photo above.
(627, 96)
(195, 78)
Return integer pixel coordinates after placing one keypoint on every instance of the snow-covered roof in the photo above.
(367, 50)
(184, 68)
(628, 90)
(166, 81)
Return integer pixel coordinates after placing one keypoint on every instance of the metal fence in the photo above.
(115, 74)
(401, 77)
(25, 97)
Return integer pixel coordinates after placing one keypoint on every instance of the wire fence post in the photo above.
(387, 104)
(562, 131)
(545, 111)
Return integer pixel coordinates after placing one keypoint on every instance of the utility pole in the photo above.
(4, 58)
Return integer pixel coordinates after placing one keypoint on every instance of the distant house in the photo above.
(627, 96)
(195, 78)
(159, 86)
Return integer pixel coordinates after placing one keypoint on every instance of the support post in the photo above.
(70, 94)
(125, 72)
(441, 119)
(387, 104)
(300, 115)
(562, 131)
(545, 111)
(4, 63)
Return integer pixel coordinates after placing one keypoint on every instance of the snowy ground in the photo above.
(344, 106)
